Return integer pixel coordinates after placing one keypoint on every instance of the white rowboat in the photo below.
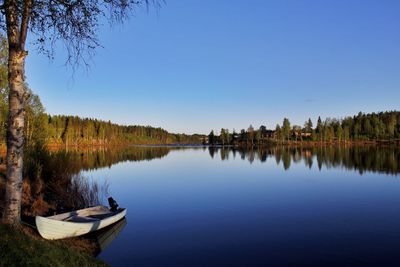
(78, 222)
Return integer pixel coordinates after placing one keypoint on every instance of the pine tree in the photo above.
(286, 128)
(308, 126)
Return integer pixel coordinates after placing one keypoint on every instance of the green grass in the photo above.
(19, 249)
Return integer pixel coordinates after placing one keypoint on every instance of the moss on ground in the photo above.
(20, 249)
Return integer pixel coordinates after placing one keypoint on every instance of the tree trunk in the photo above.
(15, 136)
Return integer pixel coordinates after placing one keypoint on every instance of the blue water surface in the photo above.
(191, 209)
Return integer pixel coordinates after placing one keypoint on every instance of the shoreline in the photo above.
(23, 247)
(269, 142)
(272, 143)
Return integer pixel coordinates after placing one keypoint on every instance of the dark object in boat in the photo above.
(113, 204)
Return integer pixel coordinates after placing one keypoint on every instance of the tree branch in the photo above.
(25, 23)
(11, 10)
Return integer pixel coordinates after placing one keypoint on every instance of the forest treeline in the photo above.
(371, 127)
(73, 130)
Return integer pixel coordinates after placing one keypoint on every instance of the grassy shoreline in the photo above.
(24, 246)
(21, 248)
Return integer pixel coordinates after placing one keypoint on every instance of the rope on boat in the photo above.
(28, 224)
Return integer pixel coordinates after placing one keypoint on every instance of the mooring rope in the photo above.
(28, 224)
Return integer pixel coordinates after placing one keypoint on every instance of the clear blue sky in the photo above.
(194, 66)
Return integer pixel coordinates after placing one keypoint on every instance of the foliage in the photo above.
(73, 24)
(286, 128)
(371, 127)
(308, 125)
(72, 130)
(211, 138)
(19, 249)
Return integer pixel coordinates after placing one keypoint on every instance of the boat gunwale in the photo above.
(112, 214)
(53, 230)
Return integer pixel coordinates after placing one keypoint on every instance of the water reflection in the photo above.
(54, 181)
(100, 157)
(367, 158)
(363, 159)
(104, 237)
(189, 210)
(57, 185)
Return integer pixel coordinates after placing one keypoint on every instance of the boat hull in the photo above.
(52, 229)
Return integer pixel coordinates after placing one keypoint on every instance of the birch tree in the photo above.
(74, 23)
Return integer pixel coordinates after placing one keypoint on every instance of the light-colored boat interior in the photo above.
(84, 215)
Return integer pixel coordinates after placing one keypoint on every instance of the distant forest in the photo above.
(73, 130)
(372, 127)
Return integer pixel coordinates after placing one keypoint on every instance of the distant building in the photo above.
(302, 134)
(270, 134)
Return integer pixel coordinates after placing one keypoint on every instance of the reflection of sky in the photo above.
(189, 209)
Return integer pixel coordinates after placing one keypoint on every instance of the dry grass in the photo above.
(77, 192)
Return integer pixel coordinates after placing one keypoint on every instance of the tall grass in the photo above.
(79, 192)
(53, 182)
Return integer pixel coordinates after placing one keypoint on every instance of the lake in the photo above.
(326, 206)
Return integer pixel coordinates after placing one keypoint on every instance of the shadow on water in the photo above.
(104, 237)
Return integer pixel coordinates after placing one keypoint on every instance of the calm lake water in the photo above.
(273, 207)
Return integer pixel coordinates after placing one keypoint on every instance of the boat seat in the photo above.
(101, 216)
(82, 219)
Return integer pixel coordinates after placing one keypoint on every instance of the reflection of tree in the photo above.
(296, 155)
(224, 153)
(90, 159)
(286, 159)
(319, 159)
(243, 155)
(360, 158)
(54, 180)
(278, 156)
(251, 156)
(211, 150)
(263, 155)
(308, 161)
